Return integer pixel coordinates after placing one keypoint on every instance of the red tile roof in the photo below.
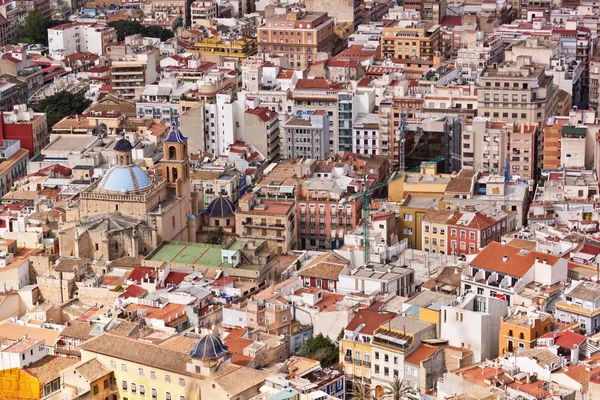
(263, 113)
(370, 320)
(517, 264)
(133, 291)
(175, 278)
(140, 273)
(567, 339)
(315, 84)
(422, 353)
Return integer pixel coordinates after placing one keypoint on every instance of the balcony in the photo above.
(576, 309)
(367, 364)
(348, 359)
(357, 362)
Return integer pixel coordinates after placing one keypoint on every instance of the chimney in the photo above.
(505, 258)
(528, 378)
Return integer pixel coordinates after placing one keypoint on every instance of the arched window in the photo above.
(168, 176)
(121, 159)
(174, 174)
(172, 153)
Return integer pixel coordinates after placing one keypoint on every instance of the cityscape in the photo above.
(299, 200)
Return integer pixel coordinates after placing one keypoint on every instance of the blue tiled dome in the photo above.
(125, 179)
(209, 347)
(220, 207)
(123, 145)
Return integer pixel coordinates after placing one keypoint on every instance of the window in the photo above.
(141, 372)
(142, 390)
(123, 367)
(133, 388)
(96, 390)
(154, 393)
(395, 360)
(181, 382)
(386, 371)
(152, 375)
(113, 364)
(105, 383)
(124, 385)
(376, 368)
(167, 378)
(426, 228)
(377, 355)
(386, 358)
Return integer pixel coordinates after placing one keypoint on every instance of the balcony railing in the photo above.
(357, 362)
(348, 359)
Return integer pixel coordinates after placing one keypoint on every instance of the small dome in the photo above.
(209, 347)
(220, 207)
(191, 217)
(125, 179)
(123, 145)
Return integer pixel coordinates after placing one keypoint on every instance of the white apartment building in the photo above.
(478, 52)
(473, 322)
(202, 12)
(365, 135)
(307, 136)
(67, 39)
(483, 146)
(224, 122)
(22, 353)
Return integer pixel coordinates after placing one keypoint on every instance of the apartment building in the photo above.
(324, 214)
(517, 91)
(478, 50)
(412, 211)
(307, 136)
(14, 164)
(366, 138)
(217, 49)
(358, 358)
(417, 40)
(393, 342)
(504, 271)
(434, 225)
(472, 321)
(272, 221)
(521, 329)
(261, 127)
(70, 38)
(581, 303)
(469, 231)
(434, 10)
(594, 93)
(28, 127)
(202, 12)
(297, 35)
(131, 74)
(222, 122)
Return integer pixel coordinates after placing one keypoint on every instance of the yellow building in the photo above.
(36, 381)
(434, 227)
(356, 351)
(215, 49)
(421, 40)
(196, 370)
(521, 329)
(426, 306)
(412, 210)
(427, 180)
(392, 342)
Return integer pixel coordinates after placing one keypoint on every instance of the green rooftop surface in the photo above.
(188, 253)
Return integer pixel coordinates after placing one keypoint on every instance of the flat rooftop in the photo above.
(189, 253)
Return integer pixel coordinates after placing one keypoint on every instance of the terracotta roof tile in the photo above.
(517, 263)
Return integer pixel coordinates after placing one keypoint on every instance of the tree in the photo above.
(298, 265)
(126, 28)
(360, 391)
(340, 336)
(215, 236)
(398, 390)
(62, 104)
(320, 348)
(35, 29)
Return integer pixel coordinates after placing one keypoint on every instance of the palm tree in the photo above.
(398, 390)
(360, 392)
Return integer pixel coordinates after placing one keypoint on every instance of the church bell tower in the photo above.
(175, 162)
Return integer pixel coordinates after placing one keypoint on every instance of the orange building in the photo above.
(521, 329)
(551, 155)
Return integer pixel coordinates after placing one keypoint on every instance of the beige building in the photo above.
(127, 213)
(594, 83)
(341, 10)
(299, 35)
(202, 12)
(273, 221)
(517, 91)
(419, 40)
(190, 370)
(434, 227)
(131, 74)
(261, 128)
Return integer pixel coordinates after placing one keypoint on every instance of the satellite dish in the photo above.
(102, 131)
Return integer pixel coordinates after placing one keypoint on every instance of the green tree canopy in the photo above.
(126, 28)
(35, 29)
(215, 236)
(320, 348)
(61, 105)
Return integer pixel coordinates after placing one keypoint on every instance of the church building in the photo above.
(127, 212)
